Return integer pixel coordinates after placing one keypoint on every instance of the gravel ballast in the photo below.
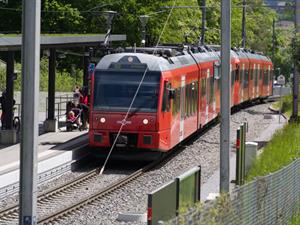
(204, 151)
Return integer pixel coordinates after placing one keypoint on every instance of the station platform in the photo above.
(56, 152)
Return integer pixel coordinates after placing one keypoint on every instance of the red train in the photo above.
(179, 95)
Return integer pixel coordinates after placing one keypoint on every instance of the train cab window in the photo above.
(115, 89)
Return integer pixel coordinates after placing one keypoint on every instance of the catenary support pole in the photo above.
(244, 25)
(30, 96)
(51, 84)
(296, 72)
(203, 22)
(9, 90)
(273, 41)
(86, 62)
(225, 94)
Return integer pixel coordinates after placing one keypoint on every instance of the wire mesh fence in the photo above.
(272, 199)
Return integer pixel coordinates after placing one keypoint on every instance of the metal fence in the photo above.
(60, 107)
(272, 199)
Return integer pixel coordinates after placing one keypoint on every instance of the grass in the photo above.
(280, 151)
(295, 220)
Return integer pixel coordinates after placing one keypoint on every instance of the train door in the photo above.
(242, 82)
(232, 79)
(207, 96)
(236, 86)
(261, 88)
(253, 81)
(182, 108)
(203, 97)
(270, 81)
(246, 82)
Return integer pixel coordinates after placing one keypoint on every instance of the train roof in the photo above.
(243, 53)
(157, 62)
(169, 57)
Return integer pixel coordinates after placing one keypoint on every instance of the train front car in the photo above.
(114, 84)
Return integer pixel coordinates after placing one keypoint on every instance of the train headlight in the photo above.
(145, 121)
(102, 120)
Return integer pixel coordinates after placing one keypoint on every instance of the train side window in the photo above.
(256, 78)
(217, 74)
(260, 73)
(207, 89)
(203, 87)
(232, 77)
(237, 74)
(246, 78)
(194, 97)
(187, 100)
(166, 100)
(176, 102)
(211, 95)
(265, 80)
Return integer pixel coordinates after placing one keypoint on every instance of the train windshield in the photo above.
(114, 91)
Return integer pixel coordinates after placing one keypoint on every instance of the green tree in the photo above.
(58, 17)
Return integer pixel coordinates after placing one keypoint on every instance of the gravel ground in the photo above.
(133, 197)
(66, 199)
(204, 151)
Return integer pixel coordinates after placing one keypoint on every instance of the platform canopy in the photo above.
(8, 43)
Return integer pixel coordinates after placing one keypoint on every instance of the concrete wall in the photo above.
(284, 91)
(43, 96)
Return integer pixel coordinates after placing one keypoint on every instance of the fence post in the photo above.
(242, 153)
(238, 158)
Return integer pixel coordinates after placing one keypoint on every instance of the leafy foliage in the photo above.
(64, 81)
(86, 16)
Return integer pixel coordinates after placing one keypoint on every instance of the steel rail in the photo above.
(105, 191)
(52, 192)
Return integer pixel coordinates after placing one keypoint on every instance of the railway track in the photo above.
(59, 194)
(10, 214)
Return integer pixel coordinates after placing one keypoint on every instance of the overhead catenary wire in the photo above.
(164, 7)
(123, 123)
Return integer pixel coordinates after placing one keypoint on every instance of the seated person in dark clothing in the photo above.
(3, 102)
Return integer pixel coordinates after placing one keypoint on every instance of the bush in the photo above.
(64, 81)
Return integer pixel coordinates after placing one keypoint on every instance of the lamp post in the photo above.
(144, 20)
